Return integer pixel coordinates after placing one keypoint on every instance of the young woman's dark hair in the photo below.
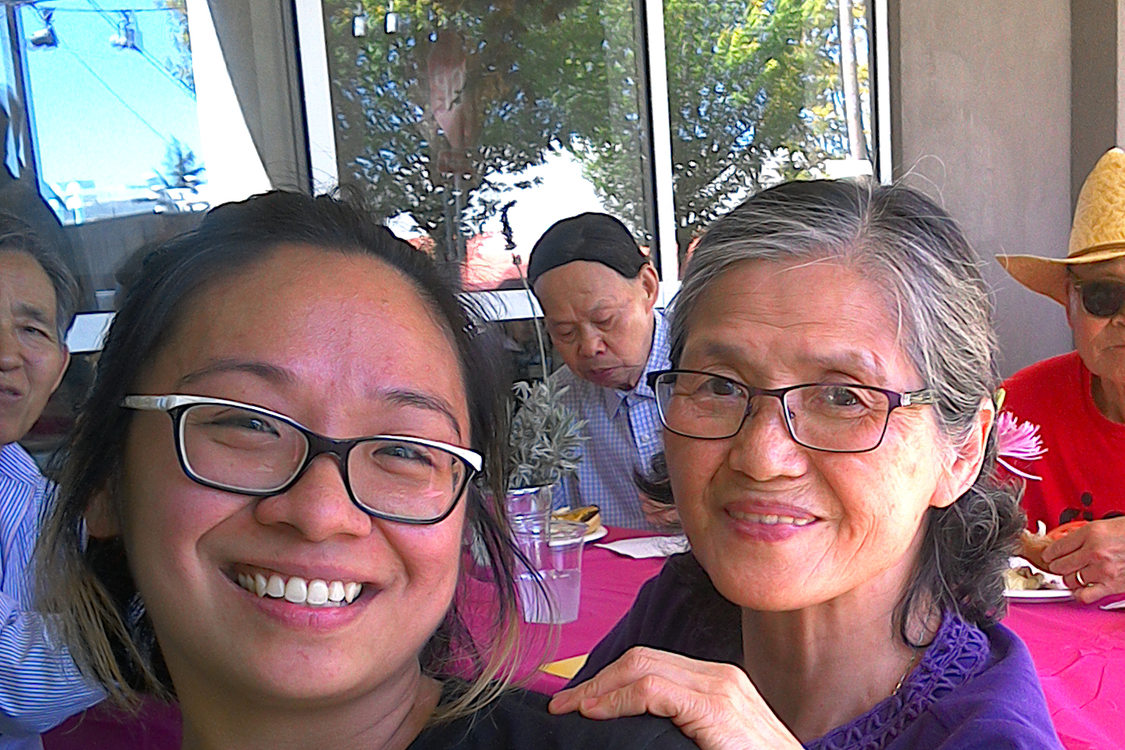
(89, 585)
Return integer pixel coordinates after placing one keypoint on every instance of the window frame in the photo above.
(310, 89)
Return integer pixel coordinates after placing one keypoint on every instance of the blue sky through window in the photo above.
(105, 106)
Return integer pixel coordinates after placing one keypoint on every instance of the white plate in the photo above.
(596, 534)
(1038, 595)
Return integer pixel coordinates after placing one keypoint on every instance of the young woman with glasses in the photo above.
(274, 470)
(829, 450)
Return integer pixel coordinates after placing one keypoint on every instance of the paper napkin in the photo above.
(648, 546)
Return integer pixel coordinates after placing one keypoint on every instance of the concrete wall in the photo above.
(981, 115)
(1120, 74)
(1093, 86)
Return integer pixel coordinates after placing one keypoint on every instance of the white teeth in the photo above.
(296, 590)
(317, 594)
(276, 587)
(771, 519)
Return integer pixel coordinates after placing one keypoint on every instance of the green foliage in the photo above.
(744, 80)
(753, 95)
(180, 65)
(546, 436)
(535, 81)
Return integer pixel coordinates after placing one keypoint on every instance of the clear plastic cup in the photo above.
(534, 500)
(549, 591)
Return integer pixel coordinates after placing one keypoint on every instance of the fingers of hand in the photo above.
(1092, 593)
(713, 704)
(648, 694)
(723, 719)
(643, 665)
(1078, 580)
(1066, 545)
(1070, 564)
(1097, 580)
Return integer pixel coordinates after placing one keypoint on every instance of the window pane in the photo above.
(760, 92)
(113, 108)
(477, 125)
(133, 124)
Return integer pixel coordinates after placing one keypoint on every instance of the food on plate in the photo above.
(1032, 544)
(590, 515)
(1026, 578)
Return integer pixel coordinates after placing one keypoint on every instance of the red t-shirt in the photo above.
(1083, 469)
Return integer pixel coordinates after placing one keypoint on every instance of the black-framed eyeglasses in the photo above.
(241, 448)
(1101, 298)
(832, 417)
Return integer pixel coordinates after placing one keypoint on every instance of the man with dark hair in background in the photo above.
(598, 292)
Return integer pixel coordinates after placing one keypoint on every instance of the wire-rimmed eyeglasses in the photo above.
(241, 448)
(832, 417)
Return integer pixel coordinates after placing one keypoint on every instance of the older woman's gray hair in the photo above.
(915, 251)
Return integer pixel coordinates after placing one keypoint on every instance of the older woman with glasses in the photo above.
(1077, 399)
(828, 441)
(273, 469)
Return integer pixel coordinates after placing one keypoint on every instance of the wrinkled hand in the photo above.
(713, 704)
(661, 515)
(1098, 551)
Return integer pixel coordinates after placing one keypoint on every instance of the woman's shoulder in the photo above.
(1000, 705)
(519, 719)
(973, 689)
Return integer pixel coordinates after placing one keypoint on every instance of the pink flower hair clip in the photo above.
(1017, 440)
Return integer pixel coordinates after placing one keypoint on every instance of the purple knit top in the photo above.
(973, 688)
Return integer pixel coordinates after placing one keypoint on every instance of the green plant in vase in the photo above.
(546, 438)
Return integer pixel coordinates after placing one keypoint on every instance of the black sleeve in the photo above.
(519, 720)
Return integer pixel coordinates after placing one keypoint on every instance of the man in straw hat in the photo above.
(1078, 399)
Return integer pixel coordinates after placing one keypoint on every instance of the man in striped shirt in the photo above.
(598, 292)
(39, 683)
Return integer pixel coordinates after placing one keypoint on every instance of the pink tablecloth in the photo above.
(1079, 652)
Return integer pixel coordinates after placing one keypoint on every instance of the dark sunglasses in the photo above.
(1102, 299)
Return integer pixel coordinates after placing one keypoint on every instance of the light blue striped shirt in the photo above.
(39, 683)
(625, 433)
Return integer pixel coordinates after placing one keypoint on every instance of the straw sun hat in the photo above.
(1097, 234)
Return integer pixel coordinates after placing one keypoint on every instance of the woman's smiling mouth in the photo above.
(316, 592)
(771, 519)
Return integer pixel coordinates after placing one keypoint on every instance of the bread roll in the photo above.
(1032, 543)
(590, 515)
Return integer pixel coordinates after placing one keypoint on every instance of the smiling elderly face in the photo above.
(346, 346)
(782, 527)
(32, 358)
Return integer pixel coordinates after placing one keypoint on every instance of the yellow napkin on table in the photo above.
(565, 668)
